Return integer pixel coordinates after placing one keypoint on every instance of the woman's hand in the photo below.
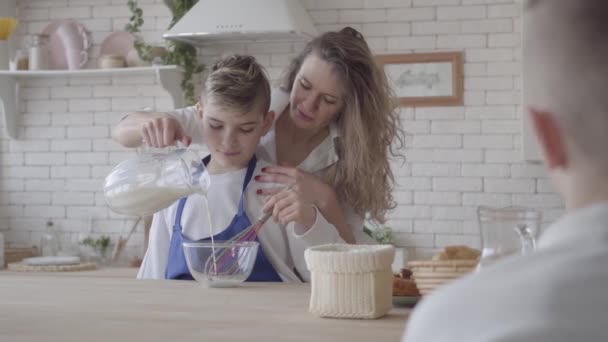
(307, 190)
(296, 204)
(289, 206)
(163, 131)
(307, 185)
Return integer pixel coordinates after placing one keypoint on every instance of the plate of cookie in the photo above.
(406, 301)
(405, 291)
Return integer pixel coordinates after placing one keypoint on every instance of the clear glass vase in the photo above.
(506, 231)
(50, 243)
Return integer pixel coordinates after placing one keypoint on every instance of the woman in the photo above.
(335, 125)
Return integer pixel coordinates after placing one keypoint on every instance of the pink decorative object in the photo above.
(76, 58)
(68, 44)
(118, 43)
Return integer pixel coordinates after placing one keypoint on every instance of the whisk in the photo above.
(224, 261)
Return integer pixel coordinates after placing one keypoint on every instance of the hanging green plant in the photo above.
(181, 54)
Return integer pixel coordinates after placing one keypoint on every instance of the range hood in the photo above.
(235, 21)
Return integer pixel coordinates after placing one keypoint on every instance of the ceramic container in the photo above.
(111, 61)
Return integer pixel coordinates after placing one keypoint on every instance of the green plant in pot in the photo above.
(182, 54)
(96, 249)
(382, 234)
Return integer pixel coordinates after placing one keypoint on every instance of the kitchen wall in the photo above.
(457, 157)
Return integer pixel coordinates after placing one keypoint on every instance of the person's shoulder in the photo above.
(254, 185)
(460, 307)
(261, 163)
(501, 284)
(279, 99)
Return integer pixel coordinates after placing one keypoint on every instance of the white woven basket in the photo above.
(351, 281)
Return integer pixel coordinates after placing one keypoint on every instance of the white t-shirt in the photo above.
(317, 162)
(282, 246)
(556, 294)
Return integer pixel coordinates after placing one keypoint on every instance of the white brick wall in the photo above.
(457, 157)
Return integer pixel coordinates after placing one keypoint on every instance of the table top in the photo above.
(64, 308)
(100, 272)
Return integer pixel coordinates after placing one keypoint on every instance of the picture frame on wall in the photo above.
(426, 79)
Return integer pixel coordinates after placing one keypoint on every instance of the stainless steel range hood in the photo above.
(235, 21)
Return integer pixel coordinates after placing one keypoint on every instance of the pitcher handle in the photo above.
(84, 57)
(528, 243)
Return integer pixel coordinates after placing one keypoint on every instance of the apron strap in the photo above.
(248, 176)
(177, 225)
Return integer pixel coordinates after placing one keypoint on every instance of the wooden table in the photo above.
(101, 272)
(63, 308)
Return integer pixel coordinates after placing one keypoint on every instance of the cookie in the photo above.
(404, 287)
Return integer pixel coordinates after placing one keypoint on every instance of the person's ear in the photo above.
(199, 110)
(550, 137)
(268, 120)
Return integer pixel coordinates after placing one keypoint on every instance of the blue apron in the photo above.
(177, 268)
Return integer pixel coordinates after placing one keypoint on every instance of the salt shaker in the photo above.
(38, 59)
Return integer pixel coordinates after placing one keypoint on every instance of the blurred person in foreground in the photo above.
(556, 293)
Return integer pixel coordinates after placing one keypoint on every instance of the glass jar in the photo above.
(49, 242)
(153, 180)
(22, 61)
(506, 231)
(38, 56)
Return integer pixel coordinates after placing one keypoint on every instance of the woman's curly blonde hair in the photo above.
(369, 125)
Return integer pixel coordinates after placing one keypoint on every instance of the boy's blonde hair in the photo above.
(238, 82)
(369, 125)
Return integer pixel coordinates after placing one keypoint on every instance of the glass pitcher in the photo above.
(506, 231)
(153, 180)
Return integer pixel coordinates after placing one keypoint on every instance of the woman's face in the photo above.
(317, 96)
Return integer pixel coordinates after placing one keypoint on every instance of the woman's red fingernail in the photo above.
(264, 169)
(257, 177)
(259, 191)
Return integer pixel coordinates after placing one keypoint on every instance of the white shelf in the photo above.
(87, 72)
(169, 76)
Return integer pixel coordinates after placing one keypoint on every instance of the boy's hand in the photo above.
(164, 131)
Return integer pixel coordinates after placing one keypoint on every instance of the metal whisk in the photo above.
(226, 260)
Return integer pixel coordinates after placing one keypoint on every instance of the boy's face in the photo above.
(232, 137)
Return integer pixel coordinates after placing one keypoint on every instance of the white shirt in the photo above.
(558, 293)
(282, 246)
(317, 162)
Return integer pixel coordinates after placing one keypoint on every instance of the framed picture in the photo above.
(425, 79)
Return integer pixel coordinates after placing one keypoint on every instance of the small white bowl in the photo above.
(222, 263)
